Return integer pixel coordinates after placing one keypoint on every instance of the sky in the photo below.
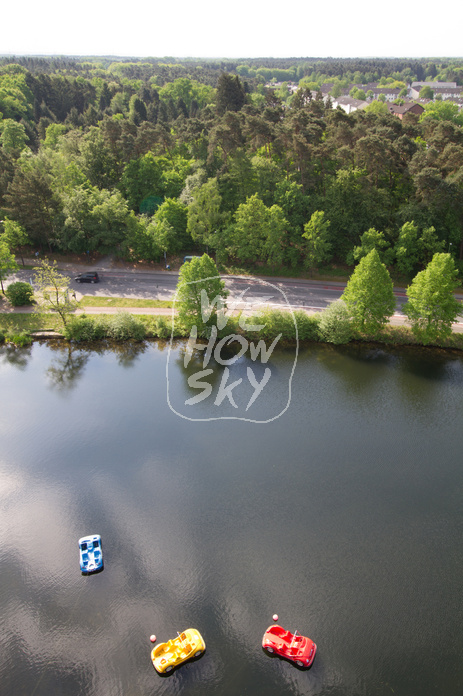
(239, 29)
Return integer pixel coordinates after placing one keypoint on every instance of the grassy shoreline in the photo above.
(142, 326)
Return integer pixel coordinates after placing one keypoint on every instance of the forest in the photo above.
(152, 159)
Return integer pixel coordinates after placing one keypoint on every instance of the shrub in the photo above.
(273, 322)
(161, 327)
(20, 294)
(2, 336)
(123, 326)
(22, 339)
(335, 323)
(307, 326)
(84, 329)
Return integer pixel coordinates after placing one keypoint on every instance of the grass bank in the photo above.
(123, 302)
(124, 326)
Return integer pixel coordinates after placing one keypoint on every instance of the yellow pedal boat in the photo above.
(188, 644)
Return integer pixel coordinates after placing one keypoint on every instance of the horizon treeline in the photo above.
(143, 158)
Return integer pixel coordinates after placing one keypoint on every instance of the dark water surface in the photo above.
(344, 516)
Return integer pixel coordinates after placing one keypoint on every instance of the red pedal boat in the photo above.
(292, 646)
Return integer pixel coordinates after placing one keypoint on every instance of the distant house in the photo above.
(390, 93)
(447, 90)
(348, 104)
(407, 108)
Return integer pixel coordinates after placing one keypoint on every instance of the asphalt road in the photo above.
(275, 292)
(246, 293)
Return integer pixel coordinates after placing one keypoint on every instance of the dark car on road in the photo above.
(91, 277)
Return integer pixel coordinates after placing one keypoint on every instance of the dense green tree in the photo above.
(429, 245)
(432, 306)
(199, 292)
(247, 234)
(141, 180)
(137, 110)
(13, 136)
(94, 220)
(188, 91)
(353, 205)
(14, 235)
(275, 246)
(230, 94)
(225, 138)
(369, 294)
(407, 248)
(426, 92)
(31, 200)
(294, 203)
(175, 213)
(141, 241)
(98, 160)
(377, 106)
(204, 213)
(165, 237)
(7, 262)
(16, 98)
(372, 239)
(317, 247)
(53, 135)
(442, 111)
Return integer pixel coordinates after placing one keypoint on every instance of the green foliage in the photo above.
(372, 239)
(53, 135)
(174, 213)
(335, 323)
(20, 294)
(21, 340)
(317, 247)
(124, 326)
(442, 111)
(201, 294)
(164, 236)
(369, 294)
(16, 98)
(407, 248)
(258, 231)
(161, 327)
(429, 245)
(189, 91)
(14, 235)
(143, 239)
(141, 127)
(13, 136)
(93, 219)
(276, 322)
(377, 106)
(83, 328)
(2, 336)
(432, 306)
(7, 262)
(204, 213)
(426, 93)
(307, 326)
(230, 93)
(149, 176)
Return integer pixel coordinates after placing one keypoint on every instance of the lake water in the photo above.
(344, 516)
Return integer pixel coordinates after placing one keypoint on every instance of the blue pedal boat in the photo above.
(91, 553)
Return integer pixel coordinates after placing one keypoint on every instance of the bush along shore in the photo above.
(287, 326)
